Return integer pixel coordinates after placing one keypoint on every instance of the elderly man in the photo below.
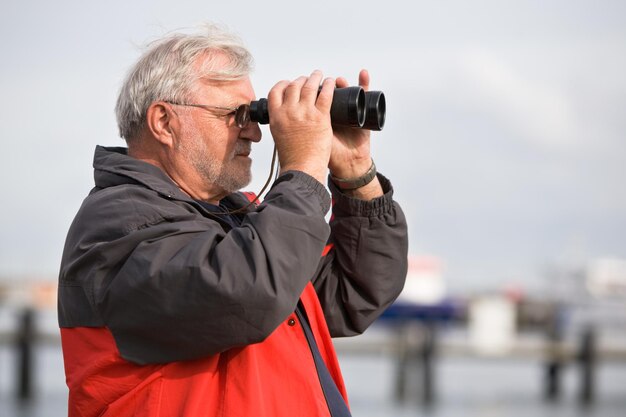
(179, 298)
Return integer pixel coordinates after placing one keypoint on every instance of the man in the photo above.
(176, 297)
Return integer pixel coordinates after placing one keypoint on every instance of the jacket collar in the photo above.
(112, 166)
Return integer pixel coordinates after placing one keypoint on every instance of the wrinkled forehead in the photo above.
(225, 93)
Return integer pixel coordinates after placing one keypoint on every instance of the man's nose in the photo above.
(252, 132)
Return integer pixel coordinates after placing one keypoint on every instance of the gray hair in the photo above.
(166, 72)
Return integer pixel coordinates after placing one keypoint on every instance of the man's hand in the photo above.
(350, 156)
(300, 124)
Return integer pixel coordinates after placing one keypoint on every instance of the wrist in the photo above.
(352, 183)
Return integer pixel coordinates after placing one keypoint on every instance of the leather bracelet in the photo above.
(354, 183)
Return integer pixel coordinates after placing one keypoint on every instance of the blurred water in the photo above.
(49, 384)
(480, 388)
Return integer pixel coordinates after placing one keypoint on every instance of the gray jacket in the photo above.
(173, 281)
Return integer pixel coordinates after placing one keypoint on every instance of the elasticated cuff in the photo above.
(344, 205)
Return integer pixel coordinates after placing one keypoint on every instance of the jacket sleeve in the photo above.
(365, 268)
(176, 286)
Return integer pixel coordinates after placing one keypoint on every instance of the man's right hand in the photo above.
(300, 124)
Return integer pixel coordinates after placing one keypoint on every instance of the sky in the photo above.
(505, 132)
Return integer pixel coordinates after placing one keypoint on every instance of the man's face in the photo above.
(211, 142)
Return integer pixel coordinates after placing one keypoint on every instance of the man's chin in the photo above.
(232, 183)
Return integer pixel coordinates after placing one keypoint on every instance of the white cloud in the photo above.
(542, 113)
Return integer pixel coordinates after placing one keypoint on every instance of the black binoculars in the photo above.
(351, 106)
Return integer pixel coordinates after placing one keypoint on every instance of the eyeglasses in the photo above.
(241, 112)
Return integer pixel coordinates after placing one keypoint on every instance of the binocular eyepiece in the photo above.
(351, 106)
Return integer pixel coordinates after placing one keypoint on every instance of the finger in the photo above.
(364, 79)
(311, 86)
(292, 92)
(342, 82)
(276, 94)
(325, 97)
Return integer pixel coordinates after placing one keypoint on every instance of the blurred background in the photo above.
(505, 142)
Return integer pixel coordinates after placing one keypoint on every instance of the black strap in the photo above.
(336, 404)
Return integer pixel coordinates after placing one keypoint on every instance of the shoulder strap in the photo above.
(336, 403)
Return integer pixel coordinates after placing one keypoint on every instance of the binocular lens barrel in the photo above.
(348, 107)
(351, 106)
(375, 110)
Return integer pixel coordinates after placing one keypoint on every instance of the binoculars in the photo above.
(351, 106)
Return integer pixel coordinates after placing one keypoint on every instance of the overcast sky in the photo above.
(505, 135)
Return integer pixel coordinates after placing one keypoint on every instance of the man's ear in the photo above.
(162, 122)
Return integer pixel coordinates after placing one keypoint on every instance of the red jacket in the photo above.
(271, 378)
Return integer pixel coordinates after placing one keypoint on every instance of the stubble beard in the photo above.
(230, 175)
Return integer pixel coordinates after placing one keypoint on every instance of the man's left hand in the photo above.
(350, 155)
